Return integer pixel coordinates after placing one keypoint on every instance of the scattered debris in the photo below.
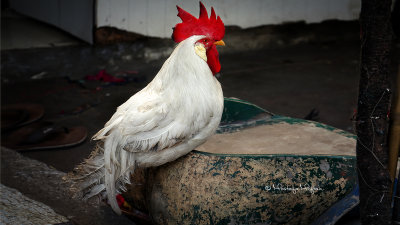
(313, 115)
(104, 77)
(79, 109)
(39, 75)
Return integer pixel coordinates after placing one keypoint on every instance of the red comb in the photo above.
(212, 27)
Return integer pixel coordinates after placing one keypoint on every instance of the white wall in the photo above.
(73, 16)
(157, 17)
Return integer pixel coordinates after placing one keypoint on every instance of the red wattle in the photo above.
(213, 60)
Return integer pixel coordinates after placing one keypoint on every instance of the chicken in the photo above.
(176, 112)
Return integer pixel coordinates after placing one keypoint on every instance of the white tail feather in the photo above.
(96, 190)
(92, 179)
(111, 191)
(101, 134)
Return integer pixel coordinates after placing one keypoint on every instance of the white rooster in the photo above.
(176, 112)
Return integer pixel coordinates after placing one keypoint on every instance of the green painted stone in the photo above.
(216, 189)
(247, 188)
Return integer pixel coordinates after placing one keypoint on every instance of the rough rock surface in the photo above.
(16, 209)
(42, 183)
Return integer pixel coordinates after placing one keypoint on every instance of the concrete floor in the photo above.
(288, 80)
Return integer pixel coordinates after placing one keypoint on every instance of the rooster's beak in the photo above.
(220, 42)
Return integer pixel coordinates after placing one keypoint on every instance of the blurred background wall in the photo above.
(157, 17)
(74, 16)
